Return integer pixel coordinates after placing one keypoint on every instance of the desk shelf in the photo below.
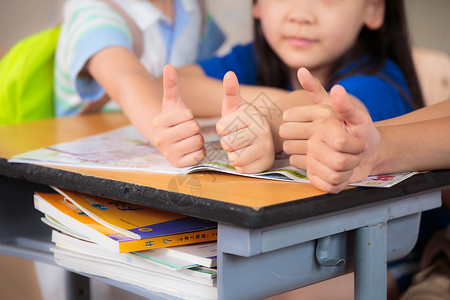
(24, 235)
(264, 228)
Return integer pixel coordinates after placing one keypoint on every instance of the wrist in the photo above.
(386, 160)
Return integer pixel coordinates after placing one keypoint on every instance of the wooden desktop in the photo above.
(273, 236)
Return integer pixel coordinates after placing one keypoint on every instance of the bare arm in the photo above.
(139, 94)
(126, 81)
(340, 154)
(435, 111)
(416, 141)
(204, 95)
(417, 146)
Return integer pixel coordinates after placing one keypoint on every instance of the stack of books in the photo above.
(164, 252)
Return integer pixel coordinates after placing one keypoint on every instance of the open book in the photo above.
(126, 149)
(61, 210)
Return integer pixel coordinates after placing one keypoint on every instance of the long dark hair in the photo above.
(391, 41)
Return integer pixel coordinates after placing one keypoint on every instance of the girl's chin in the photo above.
(295, 61)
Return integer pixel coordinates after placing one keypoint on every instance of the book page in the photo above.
(126, 149)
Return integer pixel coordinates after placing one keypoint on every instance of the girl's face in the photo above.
(315, 33)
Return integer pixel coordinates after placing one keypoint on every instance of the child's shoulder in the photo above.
(85, 10)
(83, 15)
(83, 4)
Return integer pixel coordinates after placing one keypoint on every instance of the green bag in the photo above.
(26, 78)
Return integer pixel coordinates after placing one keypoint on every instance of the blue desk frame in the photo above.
(282, 257)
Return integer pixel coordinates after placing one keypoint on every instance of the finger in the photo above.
(308, 113)
(317, 170)
(313, 86)
(176, 133)
(345, 108)
(296, 130)
(321, 150)
(171, 96)
(238, 140)
(298, 161)
(186, 146)
(328, 175)
(257, 166)
(191, 159)
(295, 147)
(339, 140)
(326, 186)
(246, 155)
(335, 161)
(172, 118)
(231, 123)
(242, 157)
(232, 98)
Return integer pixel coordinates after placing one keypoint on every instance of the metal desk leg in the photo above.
(77, 286)
(370, 262)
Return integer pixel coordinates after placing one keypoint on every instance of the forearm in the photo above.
(126, 81)
(204, 95)
(438, 110)
(140, 99)
(414, 147)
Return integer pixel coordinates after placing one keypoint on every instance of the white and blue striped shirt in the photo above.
(90, 26)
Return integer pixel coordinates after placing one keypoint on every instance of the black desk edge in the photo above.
(223, 211)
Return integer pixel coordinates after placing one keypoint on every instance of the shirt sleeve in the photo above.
(241, 60)
(382, 98)
(87, 30)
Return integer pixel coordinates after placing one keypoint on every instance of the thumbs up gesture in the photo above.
(342, 149)
(245, 132)
(176, 133)
(301, 121)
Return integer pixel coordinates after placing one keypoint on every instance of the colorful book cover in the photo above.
(132, 220)
(191, 272)
(63, 211)
(200, 255)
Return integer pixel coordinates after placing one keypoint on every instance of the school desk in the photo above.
(273, 236)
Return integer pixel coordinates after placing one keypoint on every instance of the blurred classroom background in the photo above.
(429, 25)
(429, 21)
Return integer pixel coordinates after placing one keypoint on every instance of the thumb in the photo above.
(232, 98)
(171, 96)
(346, 109)
(313, 86)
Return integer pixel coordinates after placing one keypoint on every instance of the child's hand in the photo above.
(300, 122)
(176, 133)
(245, 132)
(342, 149)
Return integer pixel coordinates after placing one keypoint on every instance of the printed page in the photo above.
(126, 149)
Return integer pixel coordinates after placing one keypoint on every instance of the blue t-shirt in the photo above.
(385, 93)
